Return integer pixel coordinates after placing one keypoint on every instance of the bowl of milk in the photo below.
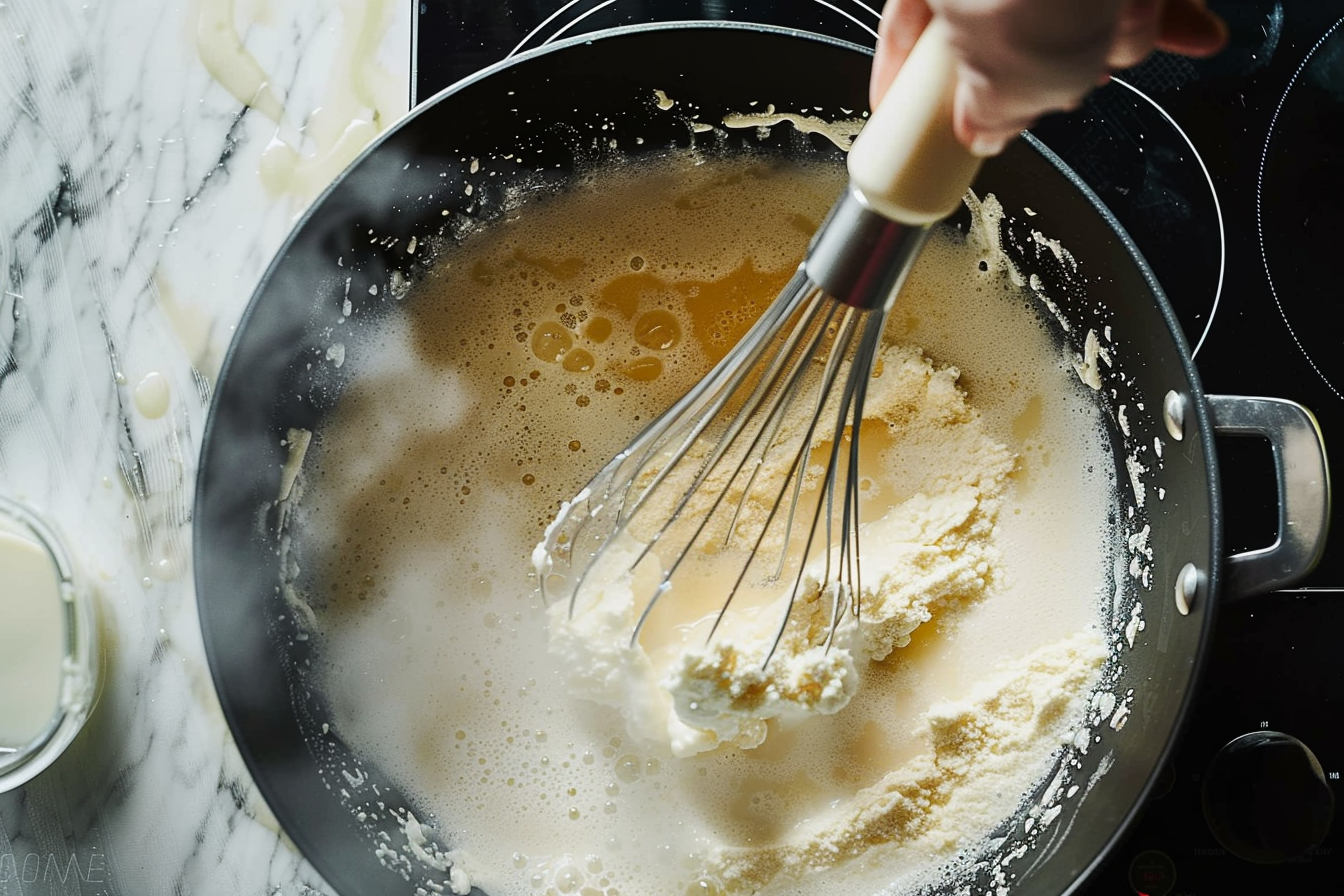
(48, 646)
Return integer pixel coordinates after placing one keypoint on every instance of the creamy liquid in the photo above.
(32, 639)
(531, 355)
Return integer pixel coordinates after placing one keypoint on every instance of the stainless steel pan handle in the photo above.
(1304, 491)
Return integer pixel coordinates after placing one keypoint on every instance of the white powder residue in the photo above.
(1038, 289)
(1062, 255)
(423, 849)
(1138, 541)
(1136, 623)
(336, 353)
(928, 554)
(983, 239)
(600, 664)
(945, 795)
(1104, 703)
(1122, 713)
(1089, 371)
(1136, 471)
(841, 132)
(1141, 553)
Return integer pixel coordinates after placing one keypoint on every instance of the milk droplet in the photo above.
(151, 395)
(163, 569)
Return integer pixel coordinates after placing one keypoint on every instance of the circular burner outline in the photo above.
(1260, 194)
(1217, 208)
(603, 5)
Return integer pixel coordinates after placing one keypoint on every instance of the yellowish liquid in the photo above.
(527, 359)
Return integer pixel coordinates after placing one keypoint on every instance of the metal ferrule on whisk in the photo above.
(860, 257)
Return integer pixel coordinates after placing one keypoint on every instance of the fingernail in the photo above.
(985, 145)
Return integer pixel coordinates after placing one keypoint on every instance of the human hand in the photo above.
(1019, 59)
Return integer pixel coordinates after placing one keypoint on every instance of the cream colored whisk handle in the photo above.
(907, 163)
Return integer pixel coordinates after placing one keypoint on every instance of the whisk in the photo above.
(753, 476)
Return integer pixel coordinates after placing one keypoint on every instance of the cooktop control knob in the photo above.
(1266, 798)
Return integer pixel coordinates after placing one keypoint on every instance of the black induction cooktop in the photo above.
(1226, 174)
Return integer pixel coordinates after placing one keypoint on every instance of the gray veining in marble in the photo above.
(134, 225)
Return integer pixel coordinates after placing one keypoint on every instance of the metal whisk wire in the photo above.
(791, 366)
(772, 375)
(610, 491)
(907, 171)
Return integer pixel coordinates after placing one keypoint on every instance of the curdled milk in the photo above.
(529, 356)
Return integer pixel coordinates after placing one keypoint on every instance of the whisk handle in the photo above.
(861, 257)
(907, 163)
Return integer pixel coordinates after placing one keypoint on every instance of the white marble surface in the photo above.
(153, 155)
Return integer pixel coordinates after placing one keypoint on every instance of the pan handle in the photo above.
(1304, 491)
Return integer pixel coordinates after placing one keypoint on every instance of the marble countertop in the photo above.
(153, 156)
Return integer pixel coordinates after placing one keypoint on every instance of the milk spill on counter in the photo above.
(310, 146)
(519, 366)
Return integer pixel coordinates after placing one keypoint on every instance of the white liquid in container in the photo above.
(32, 639)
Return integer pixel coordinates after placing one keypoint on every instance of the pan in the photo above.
(561, 109)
